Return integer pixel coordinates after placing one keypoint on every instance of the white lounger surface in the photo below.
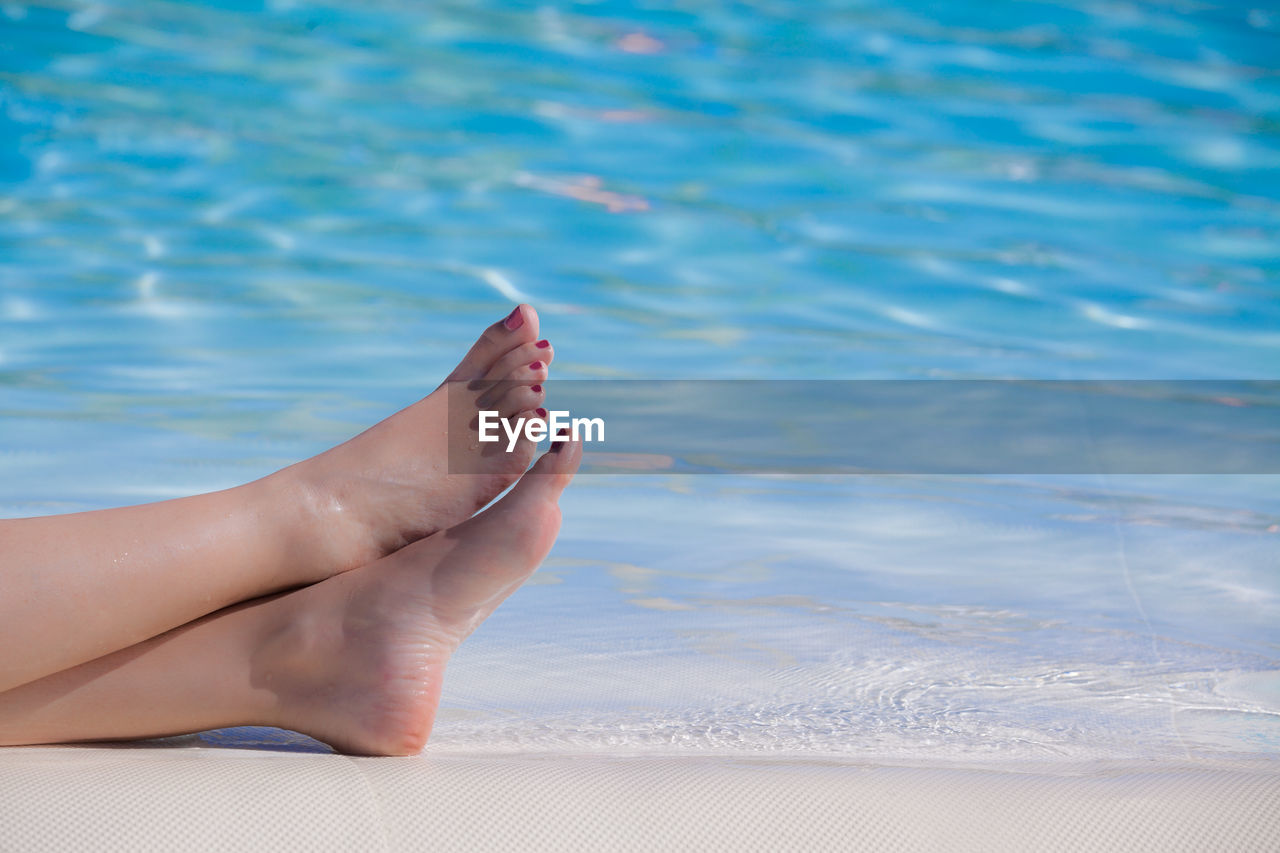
(186, 794)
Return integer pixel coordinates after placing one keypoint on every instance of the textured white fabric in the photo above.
(188, 796)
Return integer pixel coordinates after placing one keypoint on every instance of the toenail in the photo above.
(537, 389)
(537, 365)
(542, 413)
(514, 320)
(543, 344)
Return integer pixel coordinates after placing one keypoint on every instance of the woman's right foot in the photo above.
(391, 485)
(358, 660)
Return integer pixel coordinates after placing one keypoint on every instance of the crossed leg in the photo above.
(355, 661)
(76, 587)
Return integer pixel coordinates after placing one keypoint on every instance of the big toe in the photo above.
(549, 475)
(498, 549)
(517, 328)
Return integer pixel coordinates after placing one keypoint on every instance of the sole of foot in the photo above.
(359, 659)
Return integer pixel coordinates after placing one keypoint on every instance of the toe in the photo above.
(516, 329)
(520, 399)
(551, 473)
(528, 362)
(523, 510)
(498, 549)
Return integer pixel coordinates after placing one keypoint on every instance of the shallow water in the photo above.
(232, 234)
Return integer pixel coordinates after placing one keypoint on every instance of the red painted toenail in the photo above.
(542, 413)
(537, 365)
(514, 320)
(543, 344)
(537, 389)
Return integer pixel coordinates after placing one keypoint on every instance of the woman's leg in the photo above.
(356, 660)
(76, 587)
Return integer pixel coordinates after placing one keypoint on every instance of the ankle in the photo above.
(295, 643)
(317, 536)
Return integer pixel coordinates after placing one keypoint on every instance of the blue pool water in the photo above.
(233, 233)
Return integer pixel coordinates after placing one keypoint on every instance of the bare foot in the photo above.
(390, 485)
(358, 660)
